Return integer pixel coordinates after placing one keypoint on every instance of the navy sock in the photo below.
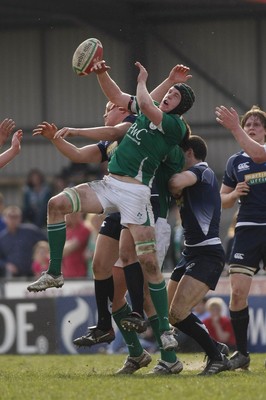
(104, 290)
(194, 328)
(135, 281)
(240, 321)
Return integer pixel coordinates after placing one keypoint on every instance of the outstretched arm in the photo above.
(14, 149)
(109, 133)
(86, 154)
(230, 120)
(111, 90)
(178, 74)
(145, 102)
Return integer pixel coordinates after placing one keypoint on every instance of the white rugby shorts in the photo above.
(132, 200)
(163, 237)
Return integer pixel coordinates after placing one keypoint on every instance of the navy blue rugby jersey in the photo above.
(201, 208)
(240, 167)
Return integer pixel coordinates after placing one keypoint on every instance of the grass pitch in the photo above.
(75, 377)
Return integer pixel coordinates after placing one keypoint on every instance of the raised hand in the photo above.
(16, 140)
(45, 129)
(143, 74)
(227, 118)
(6, 127)
(100, 67)
(179, 74)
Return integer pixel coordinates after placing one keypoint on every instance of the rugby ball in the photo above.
(86, 55)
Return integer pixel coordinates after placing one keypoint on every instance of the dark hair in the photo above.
(198, 145)
(256, 112)
(31, 173)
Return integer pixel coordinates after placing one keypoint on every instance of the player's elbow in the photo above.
(259, 158)
(174, 187)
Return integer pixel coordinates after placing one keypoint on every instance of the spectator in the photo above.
(74, 255)
(16, 244)
(218, 324)
(36, 194)
(200, 309)
(41, 256)
(2, 206)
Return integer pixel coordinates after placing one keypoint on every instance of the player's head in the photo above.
(197, 145)
(180, 98)
(254, 123)
(113, 114)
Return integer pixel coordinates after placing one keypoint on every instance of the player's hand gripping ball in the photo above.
(86, 55)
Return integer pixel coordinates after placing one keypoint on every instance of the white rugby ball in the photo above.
(86, 55)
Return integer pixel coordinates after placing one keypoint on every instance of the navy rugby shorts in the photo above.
(204, 263)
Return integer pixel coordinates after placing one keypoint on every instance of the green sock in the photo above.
(56, 239)
(160, 301)
(131, 338)
(168, 356)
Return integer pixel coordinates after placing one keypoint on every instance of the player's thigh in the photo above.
(88, 199)
(105, 255)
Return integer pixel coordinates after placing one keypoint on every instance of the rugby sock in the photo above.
(168, 356)
(134, 280)
(194, 328)
(104, 289)
(56, 238)
(160, 301)
(131, 338)
(240, 321)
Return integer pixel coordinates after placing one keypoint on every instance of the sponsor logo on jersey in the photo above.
(190, 266)
(239, 256)
(135, 134)
(152, 126)
(243, 166)
(256, 178)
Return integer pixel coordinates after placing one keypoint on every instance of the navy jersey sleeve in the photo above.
(197, 171)
(130, 118)
(229, 178)
(103, 146)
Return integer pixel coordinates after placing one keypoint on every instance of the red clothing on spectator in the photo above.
(75, 264)
(225, 325)
(38, 268)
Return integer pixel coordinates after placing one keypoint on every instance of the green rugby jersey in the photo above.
(173, 164)
(144, 146)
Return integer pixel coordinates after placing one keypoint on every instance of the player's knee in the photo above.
(57, 203)
(73, 196)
